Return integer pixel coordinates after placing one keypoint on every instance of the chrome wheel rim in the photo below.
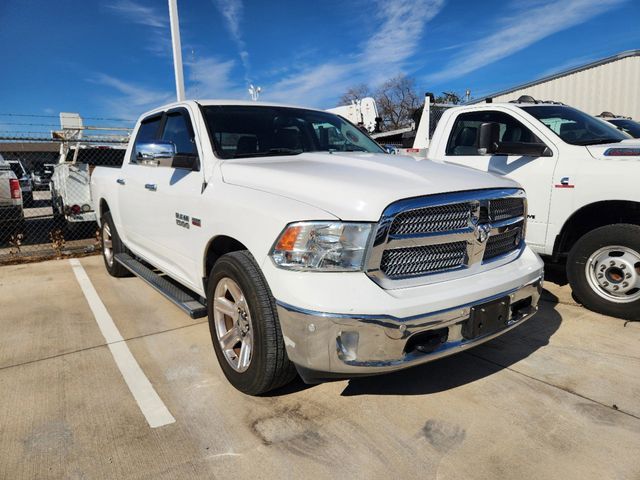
(107, 244)
(232, 321)
(613, 272)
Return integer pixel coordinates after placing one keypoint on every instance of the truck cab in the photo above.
(580, 174)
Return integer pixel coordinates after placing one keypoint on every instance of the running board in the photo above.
(183, 298)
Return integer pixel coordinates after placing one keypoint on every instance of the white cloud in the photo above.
(232, 11)
(524, 26)
(395, 41)
(132, 99)
(212, 78)
(138, 13)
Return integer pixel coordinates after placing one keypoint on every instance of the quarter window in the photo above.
(464, 136)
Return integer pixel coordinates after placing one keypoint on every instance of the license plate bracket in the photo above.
(487, 318)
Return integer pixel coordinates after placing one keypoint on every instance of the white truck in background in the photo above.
(79, 155)
(362, 112)
(11, 208)
(308, 247)
(581, 176)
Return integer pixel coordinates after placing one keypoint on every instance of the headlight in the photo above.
(322, 246)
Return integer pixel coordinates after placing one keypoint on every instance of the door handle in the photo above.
(151, 186)
(121, 181)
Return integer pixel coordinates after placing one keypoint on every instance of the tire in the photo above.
(268, 367)
(108, 231)
(603, 269)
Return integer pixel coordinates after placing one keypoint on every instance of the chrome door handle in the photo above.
(151, 186)
(121, 181)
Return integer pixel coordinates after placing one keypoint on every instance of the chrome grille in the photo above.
(404, 262)
(503, 243)
(432, 219)
(457, 231)
(504, 208)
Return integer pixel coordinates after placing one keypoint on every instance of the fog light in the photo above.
(86, 208)
(348, 345)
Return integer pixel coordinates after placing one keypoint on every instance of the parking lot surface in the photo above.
(558, 397)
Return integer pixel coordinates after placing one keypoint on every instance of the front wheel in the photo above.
(244, 326)
(603, 269)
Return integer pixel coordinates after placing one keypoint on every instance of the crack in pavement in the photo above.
(564, 389)
(93, 347)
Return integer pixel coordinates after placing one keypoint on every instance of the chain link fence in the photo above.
(46, 210)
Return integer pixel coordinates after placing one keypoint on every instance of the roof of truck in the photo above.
(213, 102)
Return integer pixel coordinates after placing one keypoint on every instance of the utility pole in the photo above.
(177, 52)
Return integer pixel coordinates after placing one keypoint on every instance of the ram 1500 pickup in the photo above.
(308, 247)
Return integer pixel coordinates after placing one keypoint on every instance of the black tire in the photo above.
(623, 235)
(114, 268)
(270, 367)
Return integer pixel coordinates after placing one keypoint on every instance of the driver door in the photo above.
(535, 174)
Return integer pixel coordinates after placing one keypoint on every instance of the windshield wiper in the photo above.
(599, 141)
(270, 152)
(284, 151)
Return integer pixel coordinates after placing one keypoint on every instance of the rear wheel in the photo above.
(111, 246)
(604, 270)
(244, 326)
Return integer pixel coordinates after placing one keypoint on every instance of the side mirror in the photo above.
(155, 153)
(488, 138)
(164, 153)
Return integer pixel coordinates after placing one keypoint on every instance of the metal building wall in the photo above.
(613, 87)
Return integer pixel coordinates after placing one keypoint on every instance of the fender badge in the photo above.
(195, 222)
(564, 183)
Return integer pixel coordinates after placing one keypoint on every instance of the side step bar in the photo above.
(182, 297)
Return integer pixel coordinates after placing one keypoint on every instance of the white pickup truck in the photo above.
(308, 247)
(11, 208)
(581, 176)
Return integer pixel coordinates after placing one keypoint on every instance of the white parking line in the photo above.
(151, 405)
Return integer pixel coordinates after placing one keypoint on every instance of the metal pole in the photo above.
(177, 51)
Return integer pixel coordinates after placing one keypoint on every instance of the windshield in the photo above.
(627, 126)
(575, 127)
(248, 131)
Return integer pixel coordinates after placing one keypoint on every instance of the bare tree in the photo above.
(357, 92)
(397, 100)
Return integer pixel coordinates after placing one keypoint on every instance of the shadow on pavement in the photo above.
(467, 367)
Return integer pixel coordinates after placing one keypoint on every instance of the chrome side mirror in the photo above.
(155, 153)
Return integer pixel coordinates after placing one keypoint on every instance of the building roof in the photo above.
(597, 63)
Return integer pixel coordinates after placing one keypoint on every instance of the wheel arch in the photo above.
(592, 216)
(103, 208)
(218, 246)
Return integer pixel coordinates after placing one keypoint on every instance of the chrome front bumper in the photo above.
(326, 345)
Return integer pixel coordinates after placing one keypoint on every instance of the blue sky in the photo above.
(113, 58)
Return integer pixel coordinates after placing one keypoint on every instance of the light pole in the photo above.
(177, 51)
(254, 92)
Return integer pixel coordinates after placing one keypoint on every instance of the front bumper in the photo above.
(329, 345)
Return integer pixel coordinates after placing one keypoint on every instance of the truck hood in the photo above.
(624, 150)
(354, 186)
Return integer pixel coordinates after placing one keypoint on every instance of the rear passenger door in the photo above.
(535, 174)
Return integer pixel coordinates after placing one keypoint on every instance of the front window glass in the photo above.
(575, 127)
(464, 136)
(177, 131)
(248, 131)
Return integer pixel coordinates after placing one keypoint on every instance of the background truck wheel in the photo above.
(604, 270)
(244, 326)
(112, 245)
